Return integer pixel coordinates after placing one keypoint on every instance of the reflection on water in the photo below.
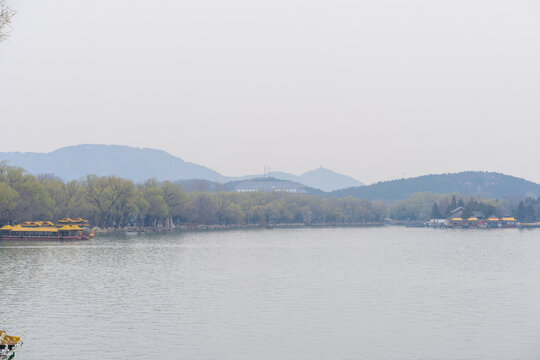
(380, 293)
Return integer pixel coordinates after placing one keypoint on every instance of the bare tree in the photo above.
(6, 14)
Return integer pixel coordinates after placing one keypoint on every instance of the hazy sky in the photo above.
(376, 89)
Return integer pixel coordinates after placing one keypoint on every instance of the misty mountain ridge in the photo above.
(139, 164)
(74, 162)
(320, 178)
(470, 183)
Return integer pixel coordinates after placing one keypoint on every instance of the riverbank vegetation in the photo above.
(109, 201)
(112, 201)
(426, 205)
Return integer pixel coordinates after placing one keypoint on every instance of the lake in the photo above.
(336, 293)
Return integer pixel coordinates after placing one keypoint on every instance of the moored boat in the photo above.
(509, 222)
(46, 230)
(493, 223)
(456, 222)
(472, 222)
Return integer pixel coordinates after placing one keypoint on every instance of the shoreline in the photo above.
(136, 230)
(202, 228)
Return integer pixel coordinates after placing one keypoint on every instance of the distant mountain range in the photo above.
(471, 183)
(75, 162)
(320, 178)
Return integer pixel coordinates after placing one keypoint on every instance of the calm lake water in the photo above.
(368, 293)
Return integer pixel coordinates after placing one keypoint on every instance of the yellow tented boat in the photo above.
(65, 229)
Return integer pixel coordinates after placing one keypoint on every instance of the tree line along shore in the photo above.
(110, 203)
(113, 202)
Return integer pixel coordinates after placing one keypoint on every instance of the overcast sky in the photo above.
(377, 89)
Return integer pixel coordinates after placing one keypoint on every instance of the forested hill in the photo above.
(75, 162)
(488, 184)
(264, 184)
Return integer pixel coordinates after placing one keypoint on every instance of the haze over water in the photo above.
(367, 293)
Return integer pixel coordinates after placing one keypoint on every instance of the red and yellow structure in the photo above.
(65, 229)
